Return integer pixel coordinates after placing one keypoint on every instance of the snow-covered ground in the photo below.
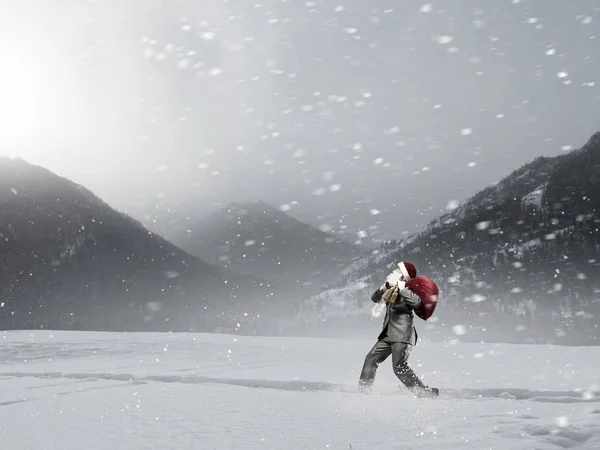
(81, 390)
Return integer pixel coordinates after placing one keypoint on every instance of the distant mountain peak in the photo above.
(257, 238)
(258, 206)
(592, 145)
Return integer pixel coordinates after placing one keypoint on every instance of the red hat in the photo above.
(407, 269)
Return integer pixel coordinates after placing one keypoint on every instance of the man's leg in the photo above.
(379, 353)
(400, 353)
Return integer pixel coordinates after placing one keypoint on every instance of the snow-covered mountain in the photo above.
(518, 261)
(257, 239)
(68, 260)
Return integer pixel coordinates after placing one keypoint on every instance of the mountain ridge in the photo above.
(69, 260)
(515, 261)
(257, 238)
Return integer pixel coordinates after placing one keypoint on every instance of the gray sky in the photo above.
(346, 108)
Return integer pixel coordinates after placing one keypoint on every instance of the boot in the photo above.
(426, 392)
(364, 388)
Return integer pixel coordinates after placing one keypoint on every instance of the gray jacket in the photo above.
(398, 321)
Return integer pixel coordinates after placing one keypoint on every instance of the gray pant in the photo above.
(379, 353)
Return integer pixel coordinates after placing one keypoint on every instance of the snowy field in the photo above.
(81, 390)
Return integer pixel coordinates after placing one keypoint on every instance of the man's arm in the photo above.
(376, 296)
(408, 297)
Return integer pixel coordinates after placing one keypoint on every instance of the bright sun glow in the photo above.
(21, 95)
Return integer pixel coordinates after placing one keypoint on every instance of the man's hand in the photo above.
(399, 284)
(390, 295)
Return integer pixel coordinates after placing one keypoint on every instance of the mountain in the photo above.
(259, 240)
(68, 260)
(519, 261)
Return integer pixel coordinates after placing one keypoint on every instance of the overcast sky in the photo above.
(369, 114)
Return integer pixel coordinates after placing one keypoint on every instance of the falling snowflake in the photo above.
(183, 64)
(428, 7)
(443, 39)
(452, 204)
(299, 153)
(477, 298)
(459, 330)
(154, 306)
(171, 274)
(466, 131)
(562, 421)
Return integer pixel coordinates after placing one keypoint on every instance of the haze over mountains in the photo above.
(178, 106)
(68, 260)
(257, 239)
(518, 261)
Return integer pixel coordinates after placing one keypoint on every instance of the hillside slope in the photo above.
(68, 260)
(259, 240)
(519, 261)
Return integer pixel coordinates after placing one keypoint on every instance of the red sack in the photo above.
(428, 292)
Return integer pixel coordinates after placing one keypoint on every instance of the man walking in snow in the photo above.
(398, 334)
